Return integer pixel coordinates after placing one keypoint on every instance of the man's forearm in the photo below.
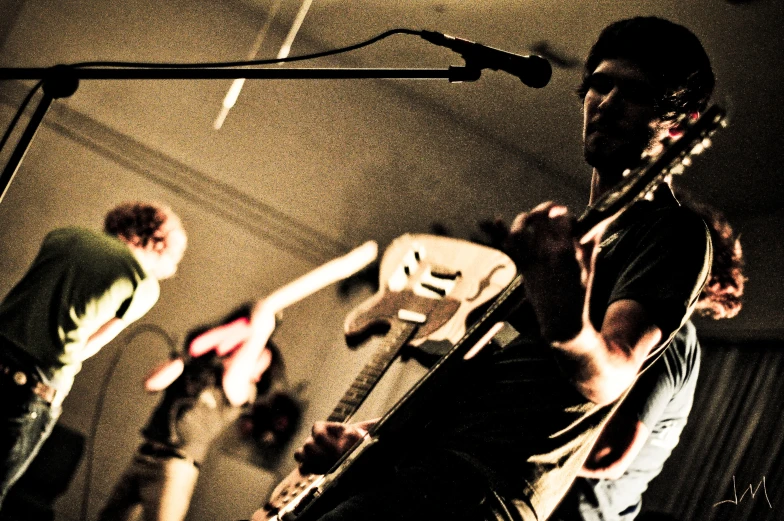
(104, 335)
(603, 364)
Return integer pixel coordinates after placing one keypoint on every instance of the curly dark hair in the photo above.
(722, 295)
(670, 55)
(136, 220)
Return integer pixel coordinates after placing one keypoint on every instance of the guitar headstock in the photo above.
(643, 180)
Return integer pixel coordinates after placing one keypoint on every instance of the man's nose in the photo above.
(612, 99)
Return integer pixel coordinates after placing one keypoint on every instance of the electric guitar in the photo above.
(430, 284)
(634, 186)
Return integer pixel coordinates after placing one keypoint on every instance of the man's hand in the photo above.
(558, 272)
(327, 443)
(555, 268)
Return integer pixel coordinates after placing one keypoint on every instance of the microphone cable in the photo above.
(245, 63)
(98, 410)
(208, 65)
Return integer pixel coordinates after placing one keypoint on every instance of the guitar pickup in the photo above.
(434, 289)
(441, 272)
(411, 316)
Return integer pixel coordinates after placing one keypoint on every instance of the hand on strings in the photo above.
(327, 442)
(555, 268)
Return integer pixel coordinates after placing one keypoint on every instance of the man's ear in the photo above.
(131, 240)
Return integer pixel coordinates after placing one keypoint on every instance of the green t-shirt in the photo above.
(79, 280)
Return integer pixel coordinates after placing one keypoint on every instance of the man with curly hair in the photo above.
(82, 289)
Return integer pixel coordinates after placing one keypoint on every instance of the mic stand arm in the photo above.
(62, 81)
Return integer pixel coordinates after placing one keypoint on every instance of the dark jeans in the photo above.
(26, 420)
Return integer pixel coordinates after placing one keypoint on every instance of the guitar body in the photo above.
(468, 274)
(430, 284)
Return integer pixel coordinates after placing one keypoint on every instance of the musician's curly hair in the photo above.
(136, 221)
(722, 295)
(670, 55)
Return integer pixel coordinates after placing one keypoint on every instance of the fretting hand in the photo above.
(555, 267)
(327, 443)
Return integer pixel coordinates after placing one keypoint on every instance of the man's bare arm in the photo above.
(618, 445)
(605, 363)
(104, 335)
(558, 273)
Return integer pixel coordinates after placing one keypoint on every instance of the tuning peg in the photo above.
(627, 172)
(707, 142)
(686, 161)
(678, 169)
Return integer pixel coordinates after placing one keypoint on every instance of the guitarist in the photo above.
(640, 436)
(193, 410)
(514, 437)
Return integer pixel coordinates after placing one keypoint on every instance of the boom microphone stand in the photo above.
(62, 81)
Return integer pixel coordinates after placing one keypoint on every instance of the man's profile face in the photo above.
(169, 247)
(620, 121)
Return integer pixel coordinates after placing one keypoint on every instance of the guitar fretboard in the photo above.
(386, 348)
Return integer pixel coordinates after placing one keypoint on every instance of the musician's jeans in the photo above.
(161, 486)
(26, 421)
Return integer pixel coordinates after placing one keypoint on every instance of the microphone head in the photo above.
(536, 73)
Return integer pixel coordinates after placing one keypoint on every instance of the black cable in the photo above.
(19, 112)
(212, 65)
(248, 62)
(97, 412)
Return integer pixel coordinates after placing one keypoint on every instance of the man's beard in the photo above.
(613, 154)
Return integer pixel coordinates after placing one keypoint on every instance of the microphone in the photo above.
(532, 70)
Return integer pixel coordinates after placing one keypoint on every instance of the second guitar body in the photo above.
(429, 286)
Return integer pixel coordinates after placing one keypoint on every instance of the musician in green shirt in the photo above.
(80, 291)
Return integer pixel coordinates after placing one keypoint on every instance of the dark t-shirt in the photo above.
(661, 399)
(520, 421)
(193, 409)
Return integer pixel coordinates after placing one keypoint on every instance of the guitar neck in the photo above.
(441, 373)
(385, 349)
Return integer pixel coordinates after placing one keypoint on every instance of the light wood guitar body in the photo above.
(429, 286)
